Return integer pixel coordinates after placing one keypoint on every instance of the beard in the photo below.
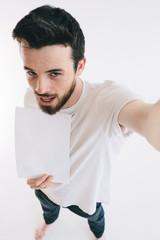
(61, 100)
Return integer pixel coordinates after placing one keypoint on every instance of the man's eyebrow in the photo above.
(48, 71)
(55, 70)
(27, 68)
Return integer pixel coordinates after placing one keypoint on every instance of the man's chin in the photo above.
(48, 109)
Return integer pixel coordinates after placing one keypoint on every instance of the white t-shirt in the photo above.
(95, 139)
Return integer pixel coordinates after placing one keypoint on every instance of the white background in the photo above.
(122, 44)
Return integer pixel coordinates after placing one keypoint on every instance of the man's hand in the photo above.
(40, 183)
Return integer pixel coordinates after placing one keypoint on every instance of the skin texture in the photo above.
(53, 74)
(41, 231)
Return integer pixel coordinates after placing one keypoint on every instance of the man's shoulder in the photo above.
(106, 86)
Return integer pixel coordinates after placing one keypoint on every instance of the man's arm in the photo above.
(142, 118)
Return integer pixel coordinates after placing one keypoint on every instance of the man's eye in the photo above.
(30, 73)
(55, 74)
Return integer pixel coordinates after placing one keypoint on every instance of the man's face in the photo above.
(51, 75)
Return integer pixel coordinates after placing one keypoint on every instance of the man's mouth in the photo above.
(46, 101)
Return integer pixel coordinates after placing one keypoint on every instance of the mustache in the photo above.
(45, 95)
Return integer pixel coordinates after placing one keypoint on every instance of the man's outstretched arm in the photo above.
(142, 118)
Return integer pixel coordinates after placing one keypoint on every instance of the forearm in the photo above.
(152, 129)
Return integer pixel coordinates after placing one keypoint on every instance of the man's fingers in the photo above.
(37, 181)
(46, 183)
(41, 180)
(40, 183)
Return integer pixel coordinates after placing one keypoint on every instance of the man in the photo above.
(52, 48)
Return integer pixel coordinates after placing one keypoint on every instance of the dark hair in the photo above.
(47, 25)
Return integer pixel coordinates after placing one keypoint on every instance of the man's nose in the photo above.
(43, 86)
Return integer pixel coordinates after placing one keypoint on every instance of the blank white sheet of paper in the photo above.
(42, 144)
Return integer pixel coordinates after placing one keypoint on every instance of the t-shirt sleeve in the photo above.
(110, 100)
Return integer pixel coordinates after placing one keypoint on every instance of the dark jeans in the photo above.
(51, 210)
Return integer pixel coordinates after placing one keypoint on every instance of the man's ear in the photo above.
(81, 66)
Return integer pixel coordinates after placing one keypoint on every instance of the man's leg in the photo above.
(96, 221)
(50, 214)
